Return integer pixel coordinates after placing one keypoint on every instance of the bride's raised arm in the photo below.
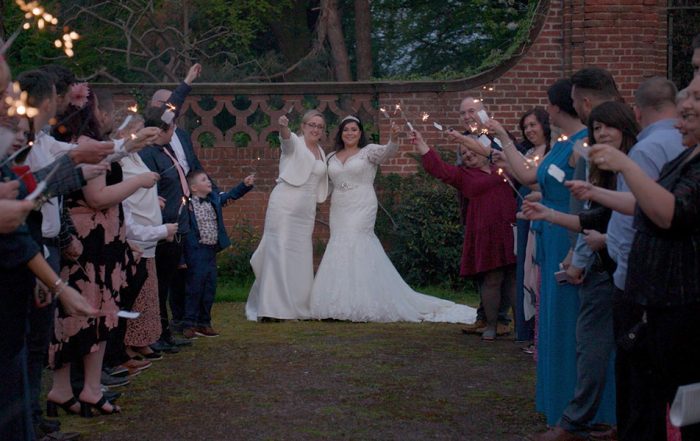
(378, 154)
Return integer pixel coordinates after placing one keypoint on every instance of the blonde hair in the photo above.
(308, 115)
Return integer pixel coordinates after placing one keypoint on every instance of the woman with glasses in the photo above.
(283, 262)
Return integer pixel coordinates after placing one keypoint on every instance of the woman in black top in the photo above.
(664, 262)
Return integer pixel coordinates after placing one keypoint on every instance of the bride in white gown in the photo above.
(356, 280)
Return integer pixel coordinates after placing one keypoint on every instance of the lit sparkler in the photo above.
(169, 113)
(127, 120)
(509, 182)
(19, 106)
(182, 205)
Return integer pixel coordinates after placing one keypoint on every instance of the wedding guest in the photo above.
(488, 249)
(663, 279)
(174, 191)
(612, 123)
(283, 261)
(98, 263)
(144, 209)
(471, 111)
(136, 296)
(208, 237)
(558, 306)
(22, 261)
(658, 143)
(183, 149)
(537, 133)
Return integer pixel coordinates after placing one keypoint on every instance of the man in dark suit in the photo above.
(183, 150)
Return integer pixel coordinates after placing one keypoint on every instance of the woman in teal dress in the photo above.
(558, 305)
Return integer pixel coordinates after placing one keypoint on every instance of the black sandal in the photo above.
(52, 407)
(86, 408)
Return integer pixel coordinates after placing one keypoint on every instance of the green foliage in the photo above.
(425, 244)
(419, 39)
(234, 262)
(240, 41)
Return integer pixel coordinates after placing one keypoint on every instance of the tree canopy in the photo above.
(274, 40)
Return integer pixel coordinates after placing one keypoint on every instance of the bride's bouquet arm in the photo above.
(378, 154)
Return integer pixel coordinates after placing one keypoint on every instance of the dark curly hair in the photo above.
(339, 145)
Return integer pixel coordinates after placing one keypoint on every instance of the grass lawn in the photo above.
(319, 380)
(229, 290)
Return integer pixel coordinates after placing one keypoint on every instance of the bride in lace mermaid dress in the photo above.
(356, 281)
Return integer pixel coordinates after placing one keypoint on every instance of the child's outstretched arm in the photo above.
(239, 190)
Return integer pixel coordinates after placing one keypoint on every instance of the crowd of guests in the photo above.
(103, 231)
(608, 262)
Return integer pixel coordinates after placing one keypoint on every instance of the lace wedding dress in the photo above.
(356, 281)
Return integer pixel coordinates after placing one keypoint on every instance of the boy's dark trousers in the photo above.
(201, 285)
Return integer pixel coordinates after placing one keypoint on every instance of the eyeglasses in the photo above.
(316, 126)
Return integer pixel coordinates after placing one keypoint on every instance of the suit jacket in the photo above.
(177, 98)
(296, 163)
(218, 200)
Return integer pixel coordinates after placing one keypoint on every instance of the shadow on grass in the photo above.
(314, 380)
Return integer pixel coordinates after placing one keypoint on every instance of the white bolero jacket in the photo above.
(296, 163)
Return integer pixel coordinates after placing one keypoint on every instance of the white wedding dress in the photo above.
(356, 281)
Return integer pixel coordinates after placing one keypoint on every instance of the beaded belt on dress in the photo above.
(344, 186)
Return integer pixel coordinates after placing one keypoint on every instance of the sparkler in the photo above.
(133, 109)
(19, 106)
(35, 13)
(67, 42)
(509, 182)
(581, 147)
(182, 205)
(169, 113)
(12, 157)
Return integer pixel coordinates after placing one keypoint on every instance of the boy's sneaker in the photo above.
(206, 331)
(190, 333)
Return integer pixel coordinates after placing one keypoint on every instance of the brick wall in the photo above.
(627, 37)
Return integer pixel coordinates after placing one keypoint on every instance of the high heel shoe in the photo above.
(86, 408)
(52, 407)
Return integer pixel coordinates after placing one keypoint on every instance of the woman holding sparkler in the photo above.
(283, 262)
(98, 265)
(356, 280)
(487, 251)
(614, 124)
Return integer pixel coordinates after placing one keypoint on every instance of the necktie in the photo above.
(178, 167)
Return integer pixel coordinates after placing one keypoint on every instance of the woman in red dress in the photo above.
(487, 252)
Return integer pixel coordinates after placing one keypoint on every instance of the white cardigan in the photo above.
(296, 163)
